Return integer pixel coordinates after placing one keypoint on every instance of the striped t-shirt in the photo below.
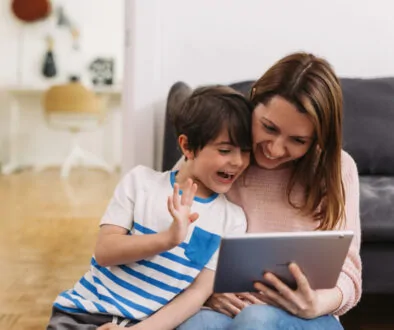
(137, 290)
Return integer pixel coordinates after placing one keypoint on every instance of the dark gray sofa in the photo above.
(369, 137)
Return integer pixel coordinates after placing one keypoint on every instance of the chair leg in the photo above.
(71, 160)
(78, 155)
(93, 160)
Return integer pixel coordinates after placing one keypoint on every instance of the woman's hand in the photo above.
(231, 304)
(179, 208)
(109, 326)
(303, 302)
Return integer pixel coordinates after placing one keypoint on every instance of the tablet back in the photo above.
(244, 259)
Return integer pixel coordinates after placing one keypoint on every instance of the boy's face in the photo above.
(216, 166)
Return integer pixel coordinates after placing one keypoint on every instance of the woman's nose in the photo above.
(277, 148)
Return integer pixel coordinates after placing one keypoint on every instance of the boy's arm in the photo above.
(115, 247)
(182, 306)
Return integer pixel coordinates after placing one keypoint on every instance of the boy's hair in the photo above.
(208, 110)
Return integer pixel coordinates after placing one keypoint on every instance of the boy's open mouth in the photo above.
(225, 175)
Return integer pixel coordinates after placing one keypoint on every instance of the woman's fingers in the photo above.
(265, 300)
(225, 312)
(250, 298)
(282, 289)
(276, 298)
(302, 281)
(235, 301)
(227, 303)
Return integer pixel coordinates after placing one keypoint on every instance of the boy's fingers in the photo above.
(187, 192)
(175, 196)
(170, 205)
(194, 190)
(193, 217)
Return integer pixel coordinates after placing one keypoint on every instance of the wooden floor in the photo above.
(48, 228)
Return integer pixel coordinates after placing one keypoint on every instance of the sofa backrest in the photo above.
(368, 126)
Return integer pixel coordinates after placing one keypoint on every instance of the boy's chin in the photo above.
(222, 189)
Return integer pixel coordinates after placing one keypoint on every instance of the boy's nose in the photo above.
(236, 159)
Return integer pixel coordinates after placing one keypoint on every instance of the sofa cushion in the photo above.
(378, 268)
(243, 87)
(377, 208)
(368, 124)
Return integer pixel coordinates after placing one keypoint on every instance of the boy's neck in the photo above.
(184, 174)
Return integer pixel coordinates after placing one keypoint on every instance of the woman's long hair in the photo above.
(310, 84)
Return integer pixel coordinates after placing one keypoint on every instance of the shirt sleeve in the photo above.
(120, 209)
(236, 225)
(349, 282)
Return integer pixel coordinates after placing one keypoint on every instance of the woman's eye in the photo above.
(299, 141)
(269, 128)
(224, 151)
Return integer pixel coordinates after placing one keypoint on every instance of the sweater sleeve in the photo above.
(349, 281)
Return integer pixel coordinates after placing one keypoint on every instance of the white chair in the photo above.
(75, 108)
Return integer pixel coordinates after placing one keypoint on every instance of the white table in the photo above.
(14, 93)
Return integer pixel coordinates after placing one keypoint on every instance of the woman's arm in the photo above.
(349, 282)
(309, 303)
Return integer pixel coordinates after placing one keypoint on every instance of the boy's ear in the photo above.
(184, 145)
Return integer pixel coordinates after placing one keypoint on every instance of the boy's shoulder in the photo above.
(230, 205)
(234, 215)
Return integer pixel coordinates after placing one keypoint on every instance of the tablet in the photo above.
(243, 259)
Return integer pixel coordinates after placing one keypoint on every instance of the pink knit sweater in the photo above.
(262, 195)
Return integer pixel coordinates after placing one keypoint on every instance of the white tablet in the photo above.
(245, 258)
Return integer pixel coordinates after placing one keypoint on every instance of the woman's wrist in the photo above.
(329, 300)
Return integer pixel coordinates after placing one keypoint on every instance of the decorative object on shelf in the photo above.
(49, 66)
(64, 20)
(102, 71)
(75, 35)
(31, 10)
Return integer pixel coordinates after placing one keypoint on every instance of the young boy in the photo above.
(154, 264)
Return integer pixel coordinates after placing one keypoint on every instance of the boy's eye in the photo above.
(224, 151)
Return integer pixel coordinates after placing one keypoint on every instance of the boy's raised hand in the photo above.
(180, 210)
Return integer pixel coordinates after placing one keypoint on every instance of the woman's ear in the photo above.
(184, 145)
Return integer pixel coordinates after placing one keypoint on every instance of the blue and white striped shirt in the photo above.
(137, 290)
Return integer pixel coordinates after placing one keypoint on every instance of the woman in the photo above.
(300, 180)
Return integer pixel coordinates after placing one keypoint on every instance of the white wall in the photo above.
(221, 41)
(23, 46)
(198, 41)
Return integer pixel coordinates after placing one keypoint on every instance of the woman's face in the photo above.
(281, 133)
